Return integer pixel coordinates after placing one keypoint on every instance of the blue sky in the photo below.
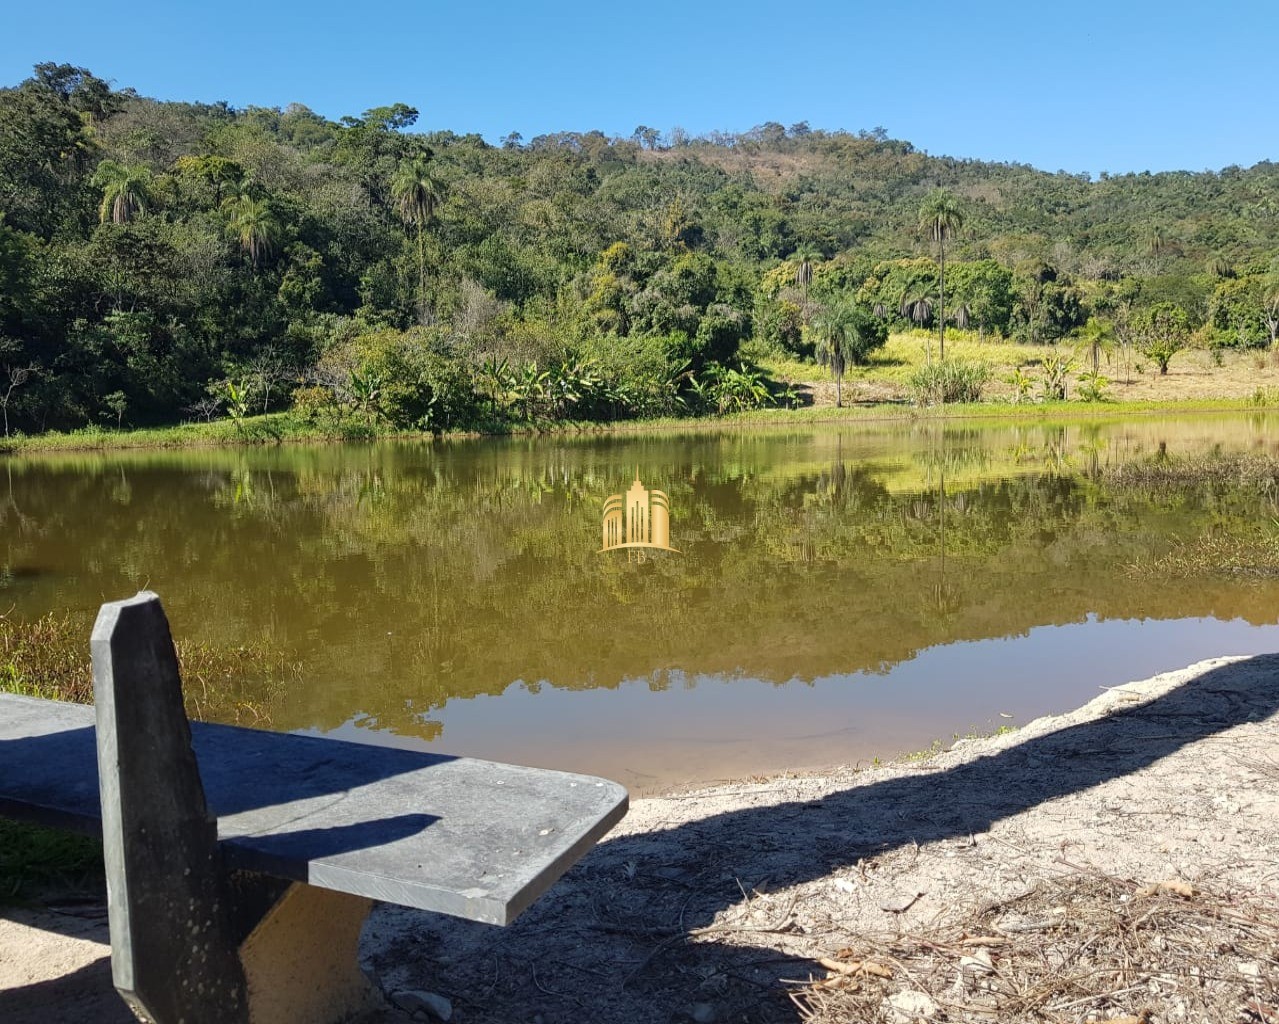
(1124, 85)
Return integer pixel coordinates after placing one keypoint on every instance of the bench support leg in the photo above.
(192, 943)
(172, 941)
(301, 961)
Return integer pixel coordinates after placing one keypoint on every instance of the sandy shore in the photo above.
(719, 904)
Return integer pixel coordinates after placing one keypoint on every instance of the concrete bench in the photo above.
(241, 864)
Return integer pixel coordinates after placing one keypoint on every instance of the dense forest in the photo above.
(164, 261)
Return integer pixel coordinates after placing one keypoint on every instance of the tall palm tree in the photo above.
(124, 190)
(1157, 242)
(804, 257)
(917, 305)
(832, 325)
(1097, 338)
(255, 226)
(418, 192)
(1219, 266)
(941, 219)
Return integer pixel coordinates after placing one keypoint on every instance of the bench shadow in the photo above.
(86, 994)
(243, 772)
(671, 881)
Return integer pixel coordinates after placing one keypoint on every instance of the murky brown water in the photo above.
(828, 604)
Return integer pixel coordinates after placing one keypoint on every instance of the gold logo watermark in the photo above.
(639, 519)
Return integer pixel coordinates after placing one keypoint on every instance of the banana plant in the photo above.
(366, 392)
(237, 400)
(495, 378)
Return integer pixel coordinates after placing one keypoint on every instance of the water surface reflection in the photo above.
(841, 592)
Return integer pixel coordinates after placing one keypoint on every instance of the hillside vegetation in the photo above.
(168, 261)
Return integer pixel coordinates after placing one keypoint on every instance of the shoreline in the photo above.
(703, 902)
(752, 883)
(277, 429)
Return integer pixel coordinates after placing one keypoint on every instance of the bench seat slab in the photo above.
(457, 835)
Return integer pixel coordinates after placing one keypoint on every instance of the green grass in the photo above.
(905, 353)
(280, 428)
(273, 428)
(39, 862)
(43, 658)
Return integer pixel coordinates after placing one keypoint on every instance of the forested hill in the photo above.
(151, 253)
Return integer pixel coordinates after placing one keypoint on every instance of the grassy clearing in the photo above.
(1196, 379)
(905, 353)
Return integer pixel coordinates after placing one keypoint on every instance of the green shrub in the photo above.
(1092, 386)
(313, 402)
(644, 374)
(1022, 383)
(407, 378)
(955, 380)
(735, 389)
(1057, 369)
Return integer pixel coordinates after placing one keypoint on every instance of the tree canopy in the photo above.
(151, 252)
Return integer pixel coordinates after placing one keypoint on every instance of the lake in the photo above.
(838, 593)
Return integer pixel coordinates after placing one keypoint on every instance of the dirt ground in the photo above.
(1119, 863)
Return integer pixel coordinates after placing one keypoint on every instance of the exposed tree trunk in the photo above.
(421, 276)
(941, 296)
(18, 375)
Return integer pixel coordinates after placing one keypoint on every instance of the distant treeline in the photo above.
(163, 261)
